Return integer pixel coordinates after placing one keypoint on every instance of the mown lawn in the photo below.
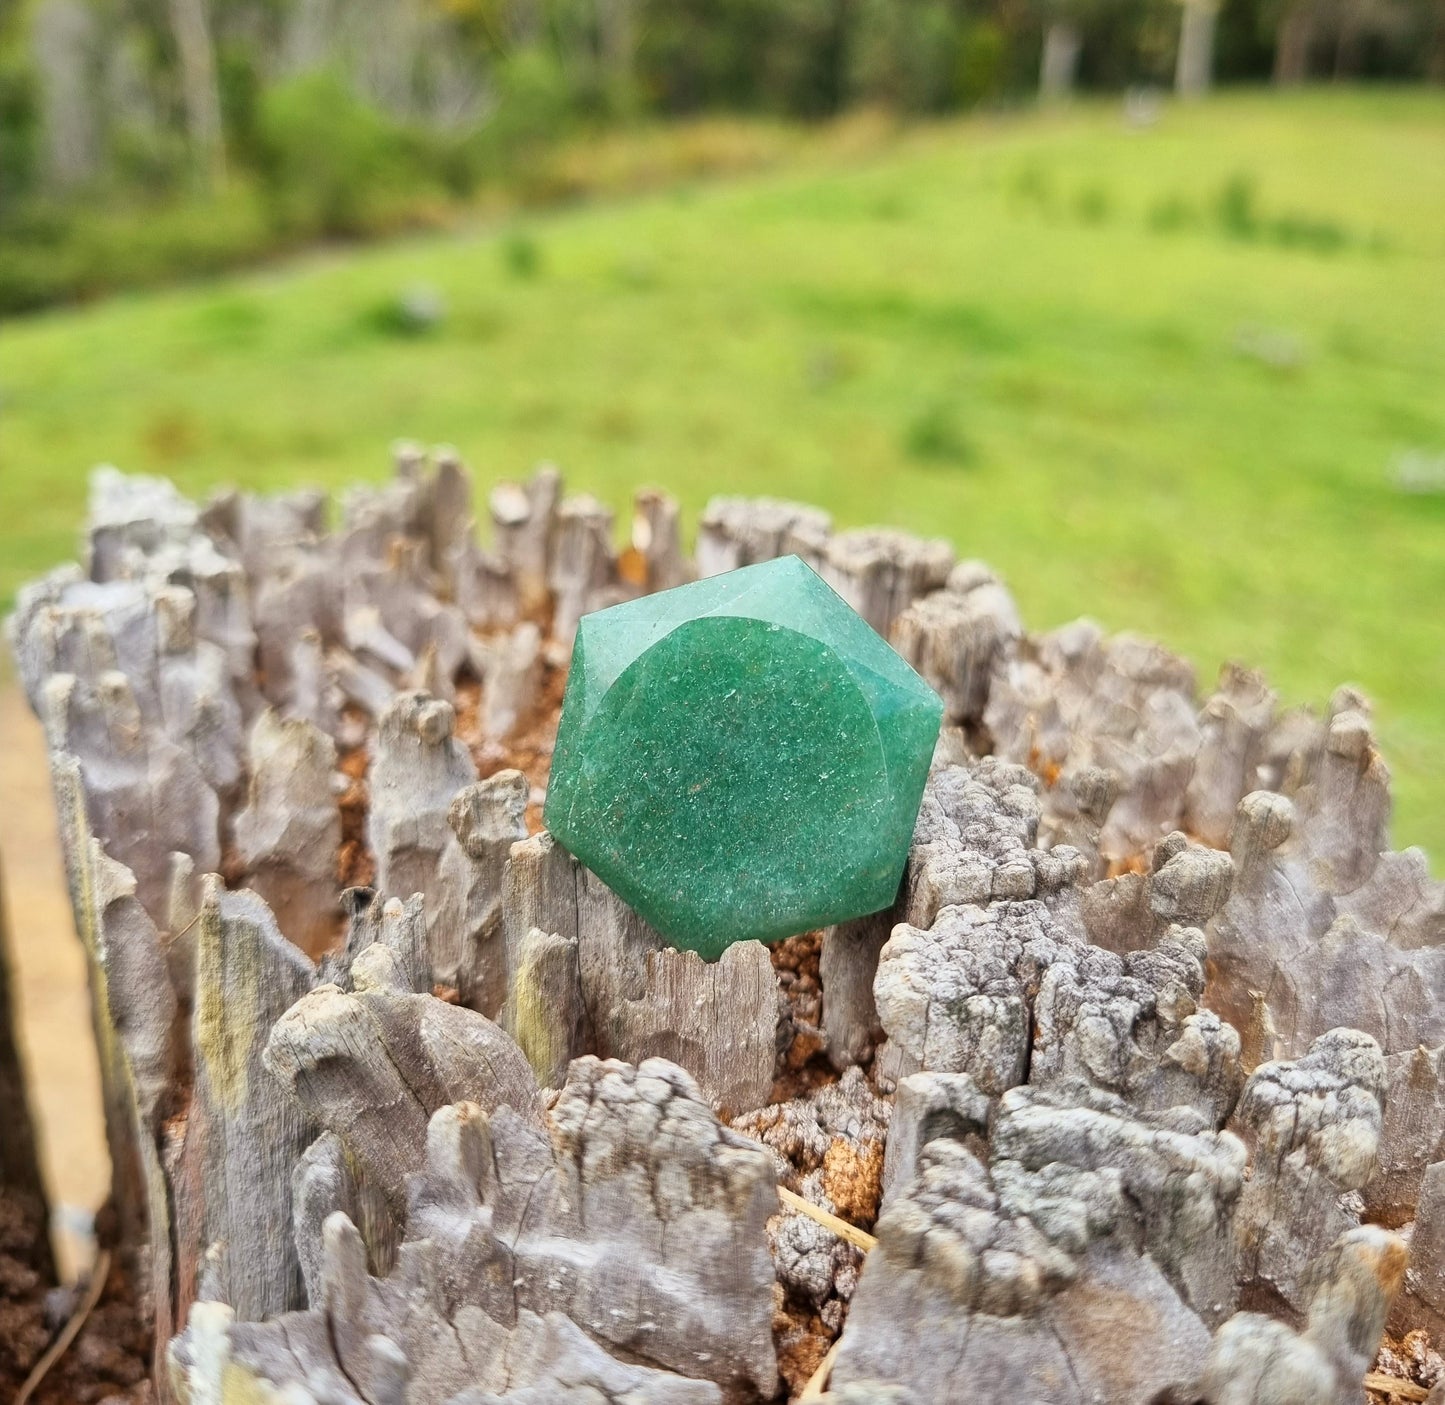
(1167, 377)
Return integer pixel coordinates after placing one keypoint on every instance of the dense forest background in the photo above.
(149, 139)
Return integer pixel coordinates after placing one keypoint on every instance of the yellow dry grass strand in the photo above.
(1393, 1387)
(858, 1238)
(70, 1331)
(818, 1381)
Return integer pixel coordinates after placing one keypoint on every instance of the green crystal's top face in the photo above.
(741, 757)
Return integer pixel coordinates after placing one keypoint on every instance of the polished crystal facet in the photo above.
(741, 757)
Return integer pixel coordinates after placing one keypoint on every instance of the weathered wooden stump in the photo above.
(1138, 1085)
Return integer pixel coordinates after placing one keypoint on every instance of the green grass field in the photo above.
(1164, 377)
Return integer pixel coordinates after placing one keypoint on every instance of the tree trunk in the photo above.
(1194, 65)
(65, 40)
(480, 1132)
(617, 29)
(27, 1264)
(1060, 60)
(200, 89)
(22, 1192)
(1292, 45)
(309, 35)
(525, 21)
(388, 36)
(1349, 32)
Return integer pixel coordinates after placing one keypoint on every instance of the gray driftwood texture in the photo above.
(1145, 1062)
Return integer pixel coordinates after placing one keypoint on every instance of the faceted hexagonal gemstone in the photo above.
(741, 757)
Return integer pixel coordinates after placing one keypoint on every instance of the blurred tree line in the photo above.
(146, 138)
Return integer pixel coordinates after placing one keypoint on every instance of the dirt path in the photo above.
(49, 982)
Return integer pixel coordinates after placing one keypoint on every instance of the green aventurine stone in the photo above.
(741, 757)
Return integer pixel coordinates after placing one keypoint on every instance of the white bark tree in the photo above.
(200, 89)
(65, 40)
(1194, 64)
(1060, 63)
